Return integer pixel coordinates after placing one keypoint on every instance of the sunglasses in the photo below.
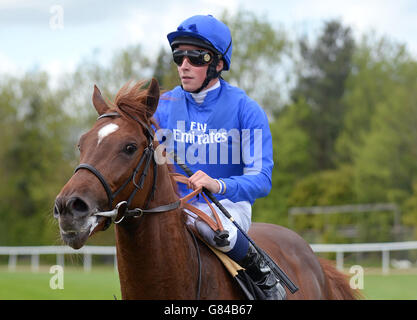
(196, 57)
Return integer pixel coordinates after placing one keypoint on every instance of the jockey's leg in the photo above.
(238, 244)
(239, 248)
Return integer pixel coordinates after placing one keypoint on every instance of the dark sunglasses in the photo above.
(196, 57)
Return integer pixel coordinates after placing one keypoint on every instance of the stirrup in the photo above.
(262, 275)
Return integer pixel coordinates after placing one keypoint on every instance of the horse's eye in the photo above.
(130, 149)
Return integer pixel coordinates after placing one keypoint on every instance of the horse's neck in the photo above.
(154, 251)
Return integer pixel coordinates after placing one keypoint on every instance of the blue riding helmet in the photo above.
(206, 32)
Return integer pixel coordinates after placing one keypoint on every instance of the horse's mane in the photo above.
(133, 96)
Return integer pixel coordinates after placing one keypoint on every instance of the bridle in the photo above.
(147, 158)
(122, 208)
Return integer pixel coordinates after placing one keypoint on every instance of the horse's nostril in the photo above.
(79, 205)
(56, 211)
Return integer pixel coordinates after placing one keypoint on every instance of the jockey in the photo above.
(222, 135)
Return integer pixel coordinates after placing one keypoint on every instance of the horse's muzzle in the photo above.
(76, 220)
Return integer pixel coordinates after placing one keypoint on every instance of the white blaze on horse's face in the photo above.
(106, 130)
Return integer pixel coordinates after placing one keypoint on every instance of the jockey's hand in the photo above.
(201, 179)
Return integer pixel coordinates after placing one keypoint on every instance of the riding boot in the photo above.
(259, 271)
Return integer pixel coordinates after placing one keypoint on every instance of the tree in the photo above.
(323, 188)
(292, 161)
(378, 67)
(410, 210)
(322, 74)
(257, 58)
(165, 70)
(31, 162)
(387, 163)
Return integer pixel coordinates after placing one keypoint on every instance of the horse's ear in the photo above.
(152, 98)
(98, 102)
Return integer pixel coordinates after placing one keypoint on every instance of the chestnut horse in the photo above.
(157, 257)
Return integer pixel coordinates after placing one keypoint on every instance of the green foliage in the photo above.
(314, 190)
(292, 161)
(410, 209)
(378, 67)
(388, 160)
(32, 165)
(166, 71)
(292, 152)
(258, 52)
(322, 75)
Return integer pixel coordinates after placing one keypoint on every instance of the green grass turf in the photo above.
(102, 283)
(390, 287)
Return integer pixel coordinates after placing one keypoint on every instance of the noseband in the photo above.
(146, 159)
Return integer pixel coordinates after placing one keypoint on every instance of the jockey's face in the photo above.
(192, 77)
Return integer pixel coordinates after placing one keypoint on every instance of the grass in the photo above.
(400, 286)
(103, 284)
(100, 284)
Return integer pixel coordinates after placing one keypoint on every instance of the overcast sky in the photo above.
(55, 35)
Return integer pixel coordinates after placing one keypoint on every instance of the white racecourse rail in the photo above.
(88, 251)
(59, 251)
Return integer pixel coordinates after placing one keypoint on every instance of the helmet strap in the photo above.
(212, 73)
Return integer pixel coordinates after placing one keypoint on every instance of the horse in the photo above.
(157, 255)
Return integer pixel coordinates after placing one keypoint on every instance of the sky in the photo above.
(56, 35)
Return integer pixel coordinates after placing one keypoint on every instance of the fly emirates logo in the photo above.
(201, 145)
(197, 134)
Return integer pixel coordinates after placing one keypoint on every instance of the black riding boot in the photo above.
(258, 270)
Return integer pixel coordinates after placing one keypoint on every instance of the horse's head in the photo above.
(111, 155)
